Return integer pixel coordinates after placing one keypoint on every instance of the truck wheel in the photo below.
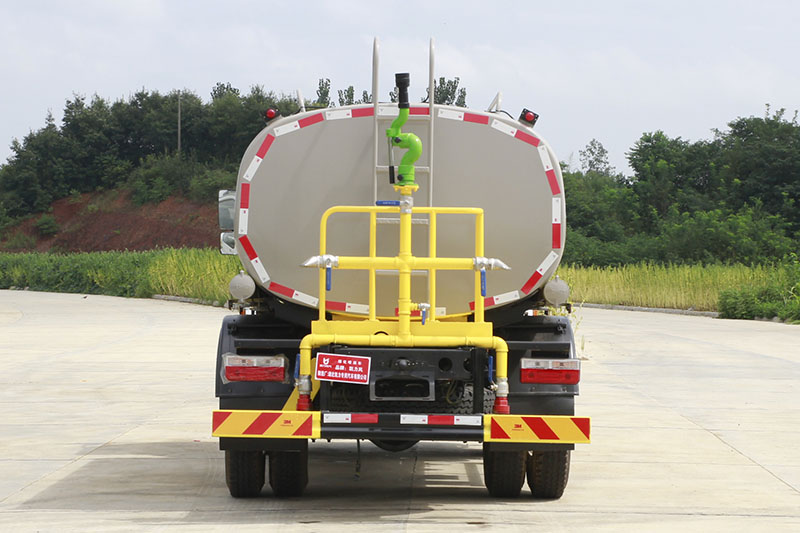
(244, 473)
(503, 472)
(392, 445)
(288, 473)
(548, 473)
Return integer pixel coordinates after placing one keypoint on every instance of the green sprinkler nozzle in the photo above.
(396, 137)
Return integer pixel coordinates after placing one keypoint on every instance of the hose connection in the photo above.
(501, 406)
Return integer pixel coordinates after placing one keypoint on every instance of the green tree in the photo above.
(447, 92)
(324, 93)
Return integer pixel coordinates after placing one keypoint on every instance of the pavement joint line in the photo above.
(763, 467)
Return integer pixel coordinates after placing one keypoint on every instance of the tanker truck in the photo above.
(398, 266)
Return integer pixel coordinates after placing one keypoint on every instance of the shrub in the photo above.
(47, 226)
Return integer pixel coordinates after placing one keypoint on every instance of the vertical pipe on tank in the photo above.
(431, 94)
(375, 65)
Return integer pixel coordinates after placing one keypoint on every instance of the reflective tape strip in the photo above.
(361, 309)
(450, 114)
(260, 270)
(556, 222)
(350, 418)
(338, 114)
(442, 420)
(526, 137)
(264, 148)
(549, 171)
(248, 247)
(290, 293)
(554, 429)
(463, 116)
(259, 157)
(336, 418)
(475, 118)
(252, 168)
(388, 111)
(363, 111)
(504, 128)
(286, 128)
(346, 307)
(415, 111)
(243, 221)
(539, 274)
(269, 424)
(244, 196)
(462, 420)
(310, 121)
(305, 298)
(497, 299)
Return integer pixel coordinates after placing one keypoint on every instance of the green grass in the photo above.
(667, 286)
(747, 291)
(194, 273)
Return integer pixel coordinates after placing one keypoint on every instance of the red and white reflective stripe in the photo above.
(442, 420)
(354, 112)
(539, 274)
(393, 110)
(349, 418)
(346, 307)
(489, 301)
(293, 294)
(549, 171)
(299, 124)
(244, 207)
(515, 132)
(557, 222)
(258, 158)
(247, 246)
(463, 116)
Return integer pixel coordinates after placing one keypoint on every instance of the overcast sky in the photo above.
(608, 70)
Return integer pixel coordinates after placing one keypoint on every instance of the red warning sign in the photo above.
(343, 368)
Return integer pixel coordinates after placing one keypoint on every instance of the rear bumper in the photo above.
(540, 429)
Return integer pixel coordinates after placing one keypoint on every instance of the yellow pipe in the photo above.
(479, 302)
(313, 340)
(404, 256)
(432, 271)
(373, 252)
(395, 263)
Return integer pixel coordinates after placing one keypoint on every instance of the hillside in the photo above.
(111, 221)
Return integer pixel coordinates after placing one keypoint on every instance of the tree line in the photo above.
(731, 198)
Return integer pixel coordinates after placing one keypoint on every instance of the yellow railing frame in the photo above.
(403, 335)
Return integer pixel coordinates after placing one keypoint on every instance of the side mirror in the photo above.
(227, 209)
(227, 243)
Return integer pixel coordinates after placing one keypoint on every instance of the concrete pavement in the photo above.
(106, 411)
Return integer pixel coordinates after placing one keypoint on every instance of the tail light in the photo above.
(254, 368)
(557, 371)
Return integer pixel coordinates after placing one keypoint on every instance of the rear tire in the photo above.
(244, 472)
(504, 472)
(288, 473)
(548, 473)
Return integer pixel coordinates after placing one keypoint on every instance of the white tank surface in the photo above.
(301, 165)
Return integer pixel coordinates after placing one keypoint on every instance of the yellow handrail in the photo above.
(461, 334)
